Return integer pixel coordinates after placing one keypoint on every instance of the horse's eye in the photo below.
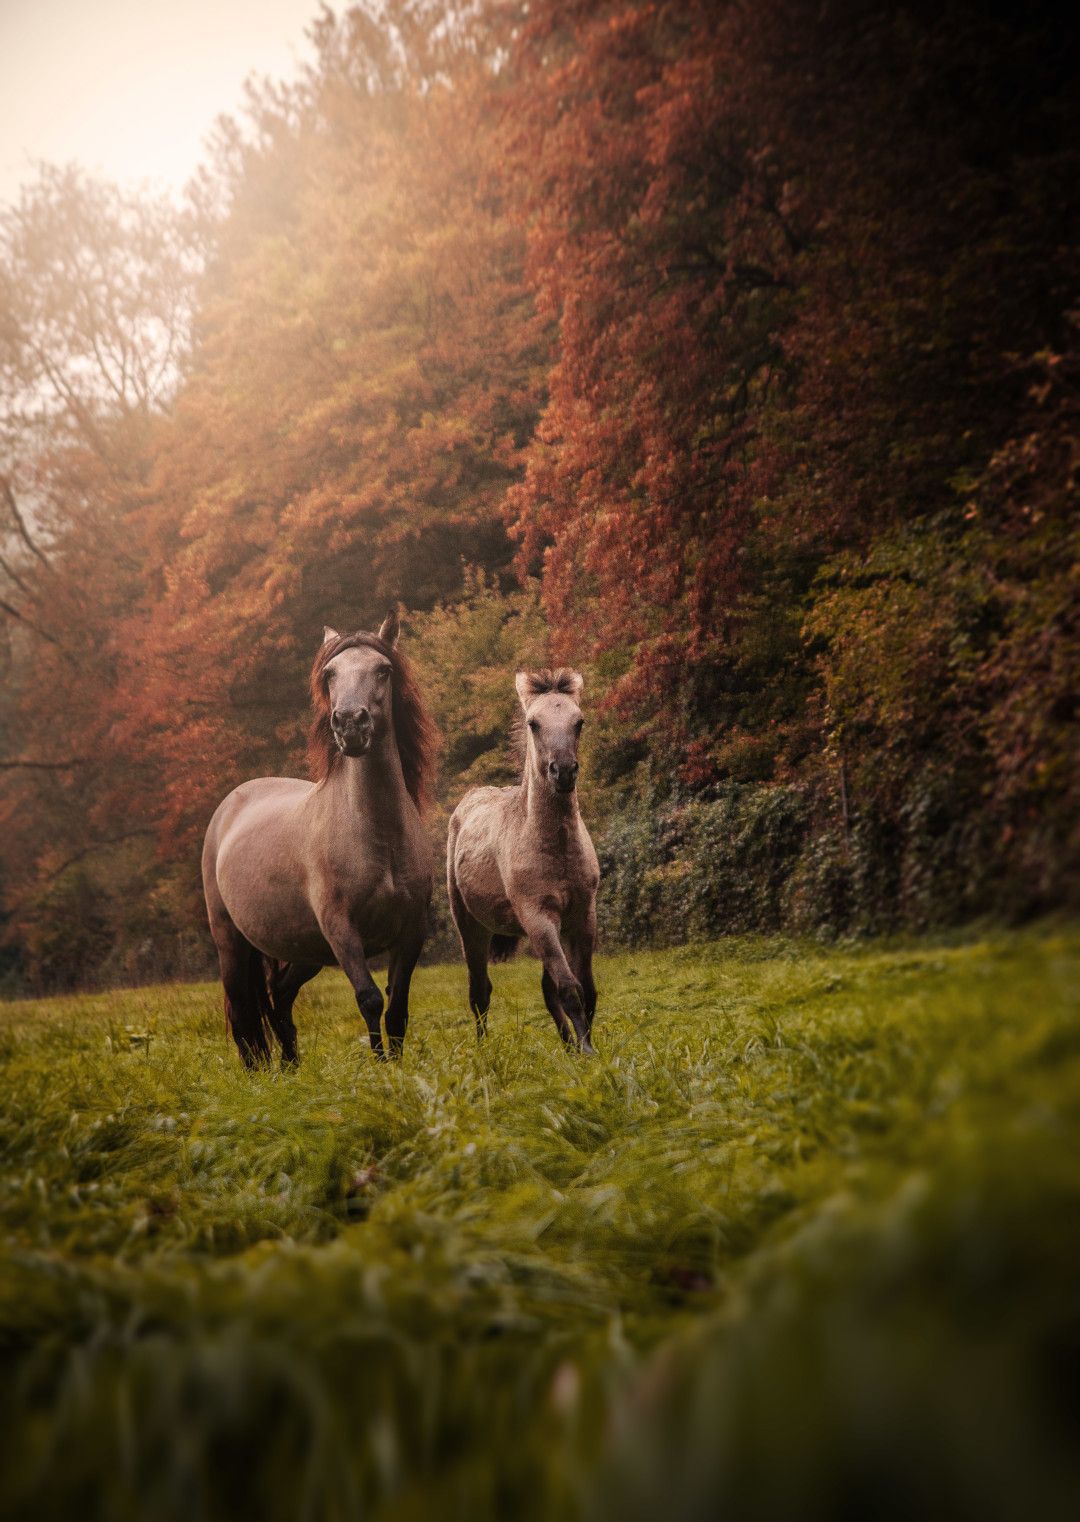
(534, 726)
(580, 725)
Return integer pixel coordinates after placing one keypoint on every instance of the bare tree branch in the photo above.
(21, 617)
(16, 762)
(20, 522)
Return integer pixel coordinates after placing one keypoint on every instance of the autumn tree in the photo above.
(95, 296)
(366, 374)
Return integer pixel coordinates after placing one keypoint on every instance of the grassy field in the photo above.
(804, 1240)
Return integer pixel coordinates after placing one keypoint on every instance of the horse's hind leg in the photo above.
(241, 964)
(476, 944)
(402, 965)
(286, 980)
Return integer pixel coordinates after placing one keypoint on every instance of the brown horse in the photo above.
(519, 862)
(303, 875)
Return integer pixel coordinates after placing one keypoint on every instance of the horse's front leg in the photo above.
(402, 965)
(564, 994)
(344, 940)
(582, 943)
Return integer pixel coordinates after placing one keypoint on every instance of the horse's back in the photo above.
(250, 807)
(481, 818)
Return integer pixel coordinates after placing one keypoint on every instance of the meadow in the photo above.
(802, 1240)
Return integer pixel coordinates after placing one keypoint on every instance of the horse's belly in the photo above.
(486, 900)
(280, 923)
(267, 902)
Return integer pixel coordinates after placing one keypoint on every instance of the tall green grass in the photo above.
(803, 1240)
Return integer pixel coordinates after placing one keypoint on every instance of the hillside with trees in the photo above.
(729, 352)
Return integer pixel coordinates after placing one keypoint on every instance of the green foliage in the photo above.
(801, 1239)
(744, 335)
(705, 869)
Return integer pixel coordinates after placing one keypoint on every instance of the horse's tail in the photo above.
(503, 947)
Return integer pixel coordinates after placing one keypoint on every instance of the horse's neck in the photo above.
(372, 787)
(552, 817)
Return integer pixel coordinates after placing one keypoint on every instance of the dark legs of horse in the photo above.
(581, 955)
(563, 993)
(286, 980)
(403, 961)
(347, 946)
(555, 1009)
(476, 944)
(245, 995)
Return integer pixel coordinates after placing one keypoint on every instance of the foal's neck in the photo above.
(549, 813)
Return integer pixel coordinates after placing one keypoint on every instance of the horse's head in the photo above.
(553, 725)
(358, 686)
(362, 689)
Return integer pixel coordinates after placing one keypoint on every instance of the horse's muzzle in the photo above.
(352, 731)
(356, 743)
(563, 775)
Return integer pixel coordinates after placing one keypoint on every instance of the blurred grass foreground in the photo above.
(802, 1242)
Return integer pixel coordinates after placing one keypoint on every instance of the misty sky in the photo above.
(130, 88)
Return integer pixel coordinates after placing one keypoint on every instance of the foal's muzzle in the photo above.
(563, 775)
(351, 730)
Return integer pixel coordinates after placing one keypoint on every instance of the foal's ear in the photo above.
(390, 628)
(575, 685)
(523, 683)
(329, 635)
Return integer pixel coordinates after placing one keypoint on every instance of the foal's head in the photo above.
(362, 689)
(553, 725)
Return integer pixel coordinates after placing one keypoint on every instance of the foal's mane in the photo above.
(561, 679)
(414, 728)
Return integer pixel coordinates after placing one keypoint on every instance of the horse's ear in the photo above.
(390, 628)
(575, 684)
(523, 683)
(329, 635)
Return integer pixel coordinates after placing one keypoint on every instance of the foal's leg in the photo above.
(582, 944)
(286, 981)
(347, 946)
(567, 992)
(403, 961)
(476, 944)
(555, 1009)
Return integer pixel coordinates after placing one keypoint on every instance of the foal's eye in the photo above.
(534, 726)
(579, 726)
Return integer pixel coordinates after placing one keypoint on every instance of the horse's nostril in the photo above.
(553, 768)
(341, 720)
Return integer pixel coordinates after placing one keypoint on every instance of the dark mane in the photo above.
(561, 679)
(414, 728)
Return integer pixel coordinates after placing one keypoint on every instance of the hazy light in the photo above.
(130, 88)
